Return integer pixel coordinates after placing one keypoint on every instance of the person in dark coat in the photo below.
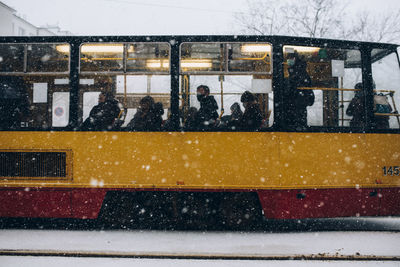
(103, 115)
(231, 120)
(158, 111)
(207, 115)
(148, 117)
(295, 100)
(356, 108)
(252, 118)
(190, 121)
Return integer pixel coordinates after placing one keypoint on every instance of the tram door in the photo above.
(335, 79)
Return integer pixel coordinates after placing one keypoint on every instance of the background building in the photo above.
(13, 25)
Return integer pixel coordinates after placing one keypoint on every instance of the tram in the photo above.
(330, 166)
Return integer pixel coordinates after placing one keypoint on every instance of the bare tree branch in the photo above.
(318, 18)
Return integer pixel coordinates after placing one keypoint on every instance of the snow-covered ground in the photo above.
(85, 262)
(364, 243)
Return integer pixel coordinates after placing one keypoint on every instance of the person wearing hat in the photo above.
(252, 118)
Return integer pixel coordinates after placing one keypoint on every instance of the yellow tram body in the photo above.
(213, 160)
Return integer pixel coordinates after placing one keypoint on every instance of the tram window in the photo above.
(148, 57)
(202, 57)
(127, 90)
(228, 70)
(249, 57)
(11, 58)
(144, 72)
(32, 101)
(47, 58)
(102, 57)
(386, 77)
(319, 86)
(138, 86)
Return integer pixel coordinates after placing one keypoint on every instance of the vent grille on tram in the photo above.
(33, 164)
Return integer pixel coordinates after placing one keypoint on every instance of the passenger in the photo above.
(207, 114)
(236, 111)
(190, 121)
(295, 100)
(252, 118)
(231, 121)
(147, 118)
(168, 125)
(159, 111)
(382, 106)
(356, 107)
(103, 115)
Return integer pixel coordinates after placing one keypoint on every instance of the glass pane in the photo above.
(319, 86)
(247, 57)
(229, 109)
(127, 93)
(148, 57)
(102, 57)
(11, 58)
(33, 101)
(48, 57)
(386, 76)
(197, 57)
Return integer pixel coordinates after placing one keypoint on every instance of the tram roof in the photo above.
(198, 38)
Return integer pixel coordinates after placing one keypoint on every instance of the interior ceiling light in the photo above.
(96, 48)
(157, 63)
(255, 48)
(196, 63)
(304, 49)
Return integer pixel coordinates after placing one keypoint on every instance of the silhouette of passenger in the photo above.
(295, 100)
(148, 117)
(190, 121)
(231, 121)
(207, 114)
(103, 115)
(356, 108)
(252, 118)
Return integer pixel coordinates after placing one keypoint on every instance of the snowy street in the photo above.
(383, 242)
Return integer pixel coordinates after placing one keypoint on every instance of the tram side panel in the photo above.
(336, 175)
(123, 161)
(384, 159)
(296, 175)
(324, 175)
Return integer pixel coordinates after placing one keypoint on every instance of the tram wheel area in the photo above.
(181, 210)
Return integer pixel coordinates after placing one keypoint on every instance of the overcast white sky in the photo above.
(137, 17)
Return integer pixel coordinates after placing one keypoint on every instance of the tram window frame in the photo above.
(267, 105)
(21, 66)
(342, 104)
(124, 68)
(150, 72)
(225, 62)
(26, 59)
(38, 82)
(384, 90)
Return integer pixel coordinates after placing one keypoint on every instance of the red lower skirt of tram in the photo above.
(276, 204)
